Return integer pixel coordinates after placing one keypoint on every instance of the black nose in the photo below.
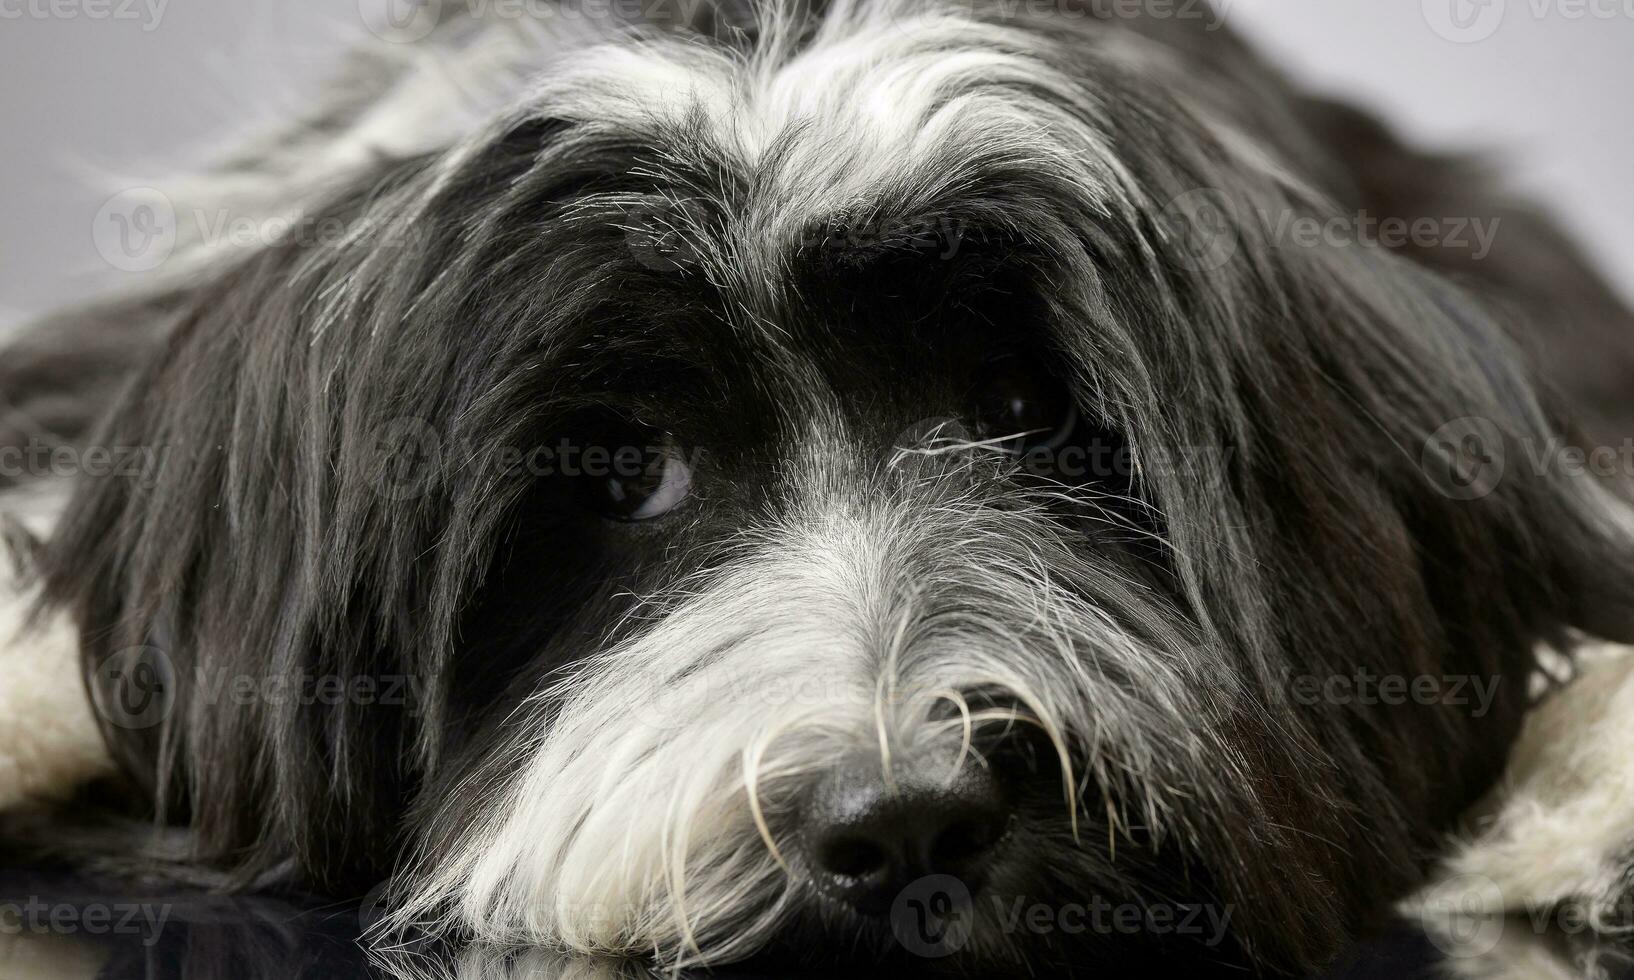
(868, 839)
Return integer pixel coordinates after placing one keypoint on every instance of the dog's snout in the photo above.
(869, 838)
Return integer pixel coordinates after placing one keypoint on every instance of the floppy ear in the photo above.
(1565, 314)
(1594, 553)
(1499, 452)
(57, 380)
(186, 369)
(1553, 339)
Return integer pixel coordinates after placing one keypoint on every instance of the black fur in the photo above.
(507, 307)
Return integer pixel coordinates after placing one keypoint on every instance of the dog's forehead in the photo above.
(868, 132)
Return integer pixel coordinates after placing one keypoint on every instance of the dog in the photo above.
(818, 484)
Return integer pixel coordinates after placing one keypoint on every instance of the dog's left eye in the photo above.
(1022, 409)
(646, 479)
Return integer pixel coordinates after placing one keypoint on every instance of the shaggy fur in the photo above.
(786, 246)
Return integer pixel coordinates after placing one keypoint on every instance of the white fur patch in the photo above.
(36, 957)
(49, 741)
(886, 107)
(1559, 830)
(1512, 957)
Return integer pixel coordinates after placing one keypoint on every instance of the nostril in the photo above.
(853, 857)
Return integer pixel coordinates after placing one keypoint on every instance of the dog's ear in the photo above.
(1498, 451)
(1585, 509)
(190, 577)
(303, 408)
(1548, 355)
(229, 556)
(1578, 329)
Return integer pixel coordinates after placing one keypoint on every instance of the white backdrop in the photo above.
(103, 87)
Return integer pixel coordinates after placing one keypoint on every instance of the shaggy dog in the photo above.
(818, 484)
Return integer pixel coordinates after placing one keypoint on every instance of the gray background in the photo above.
(96, 98)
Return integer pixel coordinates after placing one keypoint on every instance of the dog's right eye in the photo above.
(1022, 408)
(639, 476)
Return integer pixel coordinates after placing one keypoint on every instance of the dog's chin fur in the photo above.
(608, 733)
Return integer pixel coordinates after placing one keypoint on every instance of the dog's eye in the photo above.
(644, 479)
(1023, 409)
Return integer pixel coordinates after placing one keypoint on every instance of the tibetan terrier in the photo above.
(954, 486)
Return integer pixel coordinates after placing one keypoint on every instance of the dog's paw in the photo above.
(49, 740)
(1556, 840)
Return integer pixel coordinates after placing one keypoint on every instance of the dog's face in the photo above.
(824, 484)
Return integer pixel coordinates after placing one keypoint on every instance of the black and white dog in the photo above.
(821, 483)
